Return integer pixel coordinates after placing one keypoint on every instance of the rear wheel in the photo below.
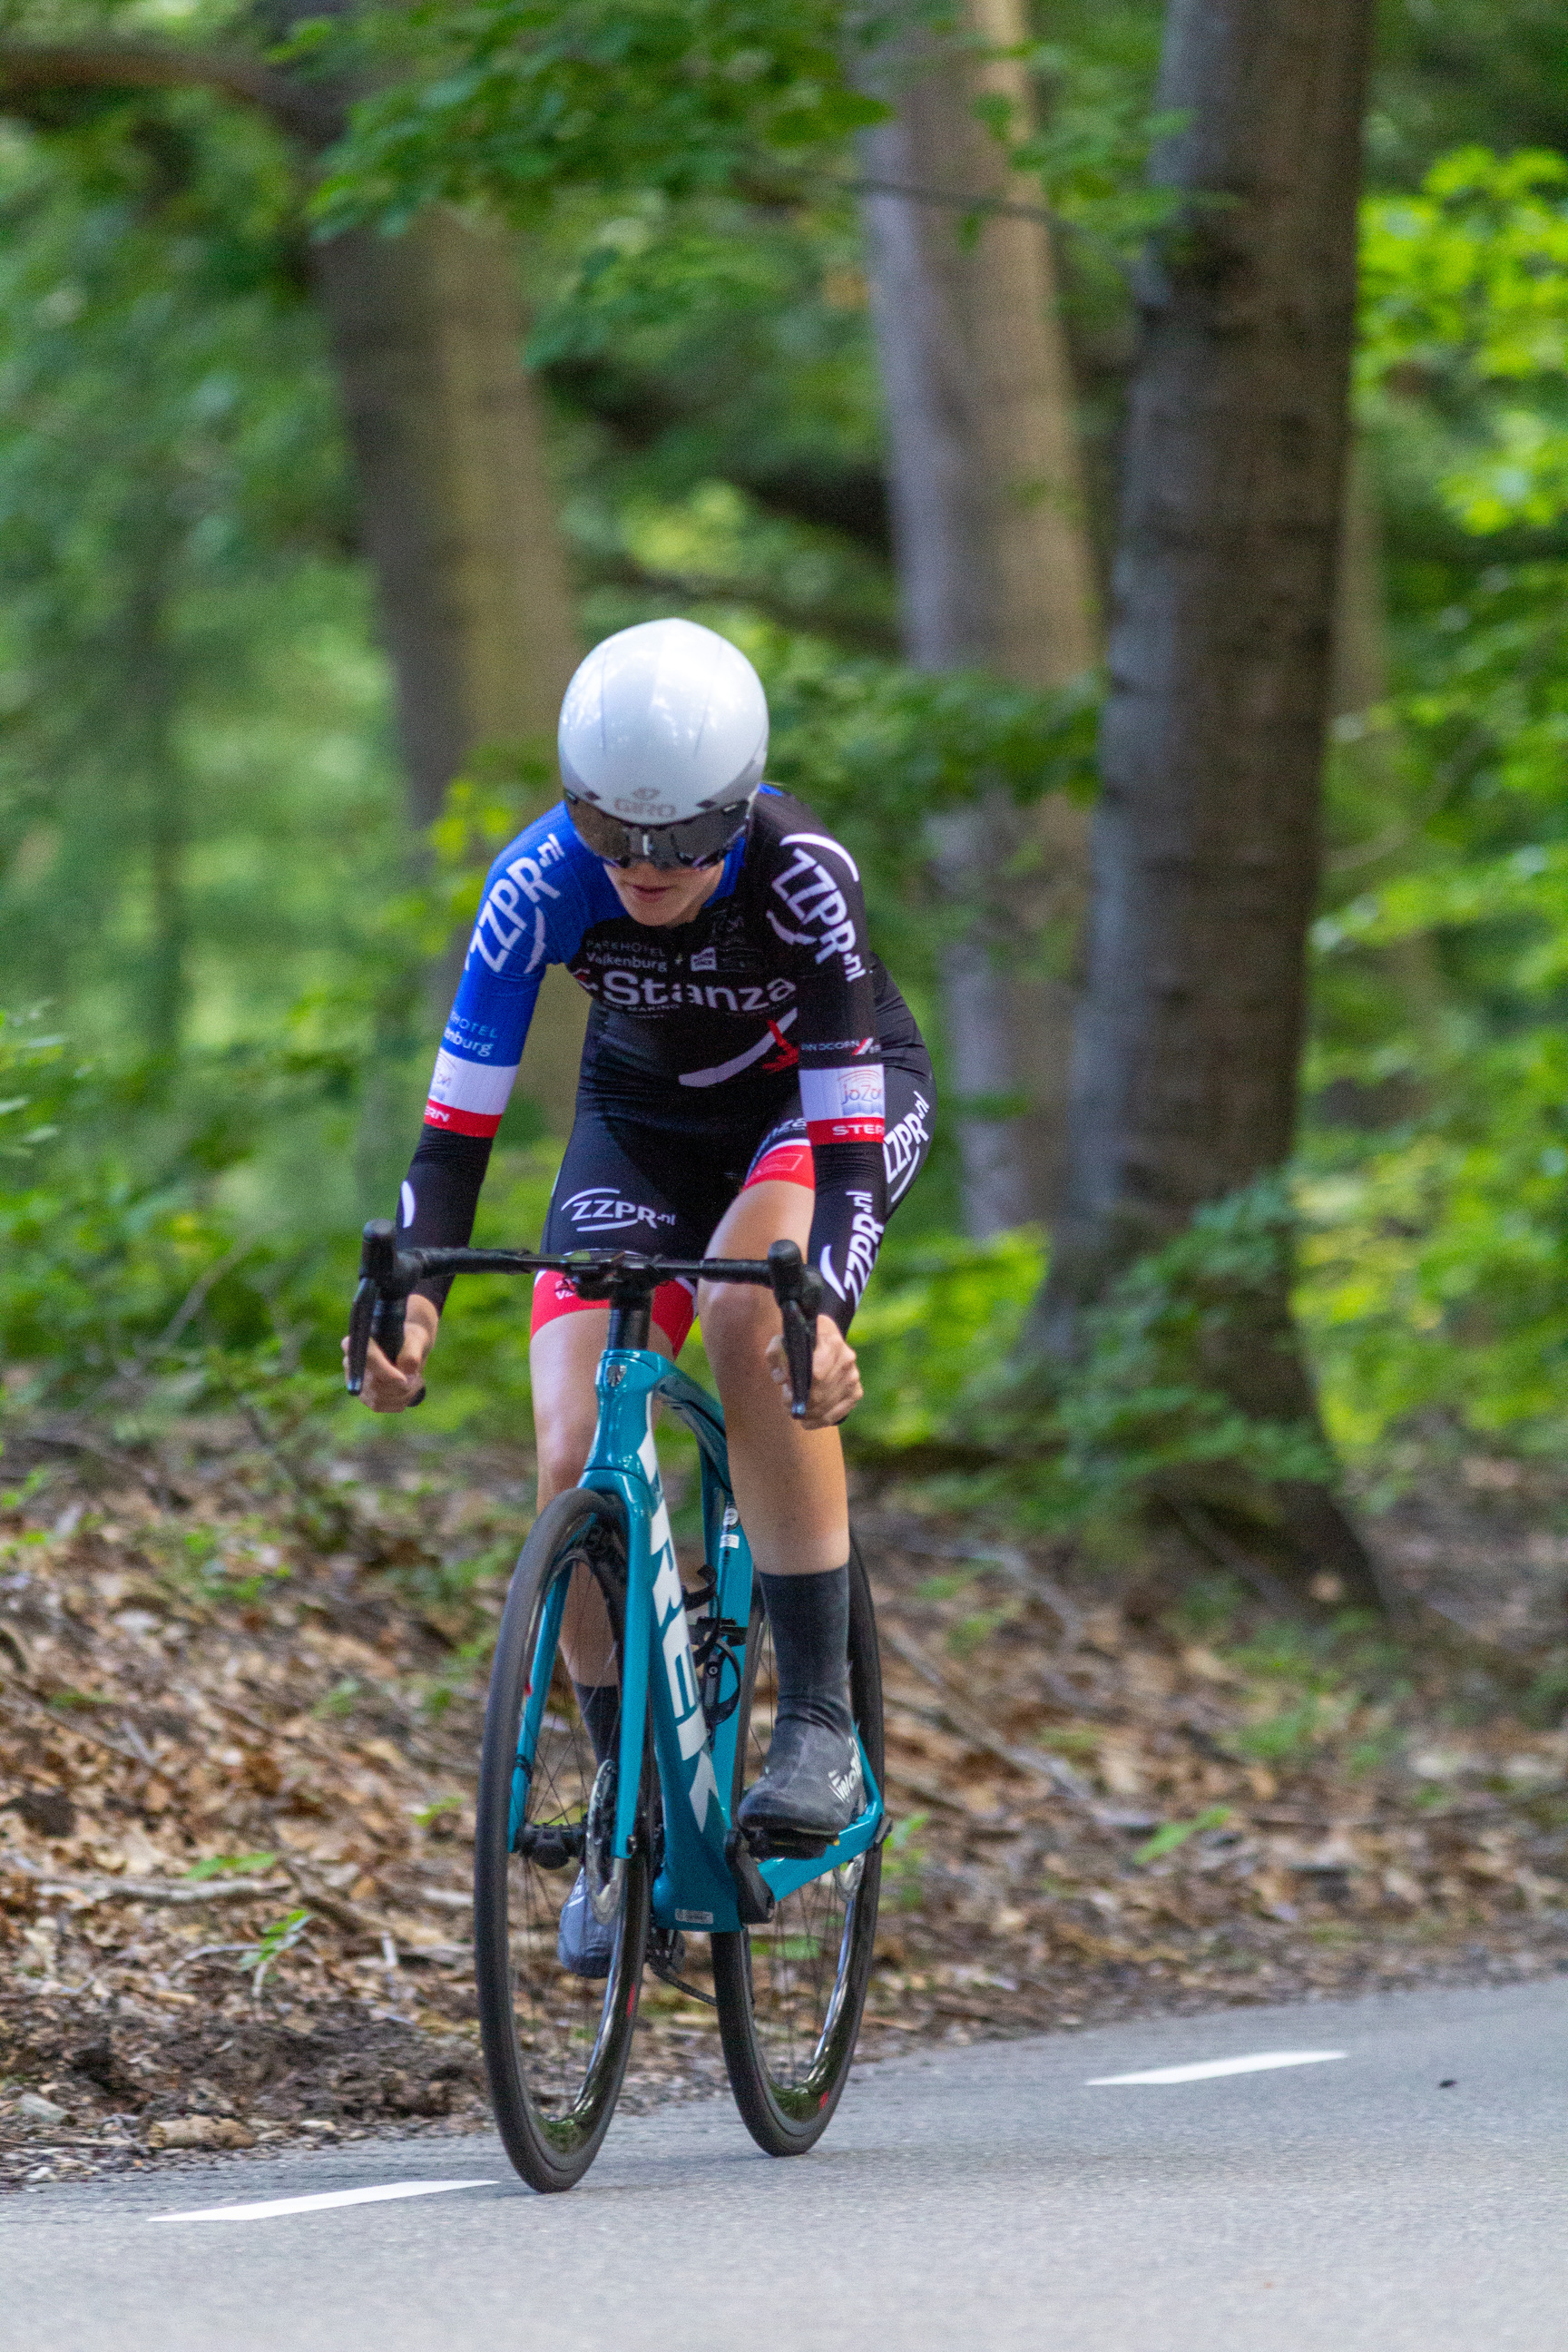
(790, 1994)
(555, 2043)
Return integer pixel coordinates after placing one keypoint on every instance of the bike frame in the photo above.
(694, 1889)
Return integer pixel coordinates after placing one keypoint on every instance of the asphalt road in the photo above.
(972, 2199)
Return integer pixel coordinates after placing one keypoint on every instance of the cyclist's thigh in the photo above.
(770, 1210)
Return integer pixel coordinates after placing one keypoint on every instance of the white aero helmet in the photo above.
(663, 723)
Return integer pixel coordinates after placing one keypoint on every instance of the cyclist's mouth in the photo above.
(645, 894)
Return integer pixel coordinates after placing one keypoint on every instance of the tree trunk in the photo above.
(458, 520)
(1206, 837)
(996, 570)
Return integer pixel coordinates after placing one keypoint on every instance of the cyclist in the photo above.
(750, 1072)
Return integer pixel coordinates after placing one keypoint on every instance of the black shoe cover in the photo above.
(585, 1945)
(811, 1789)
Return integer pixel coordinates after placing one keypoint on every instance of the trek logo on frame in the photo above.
(674, 1641)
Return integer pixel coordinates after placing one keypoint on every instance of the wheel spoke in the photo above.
(798, 1959)
(556, 2042)
(790, 1992)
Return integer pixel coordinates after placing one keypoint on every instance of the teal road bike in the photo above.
(653, 1827)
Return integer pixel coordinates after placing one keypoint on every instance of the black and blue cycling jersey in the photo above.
(764, 1016)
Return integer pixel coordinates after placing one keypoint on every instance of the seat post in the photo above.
(631, 1312)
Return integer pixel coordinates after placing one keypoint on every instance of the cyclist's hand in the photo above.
(836, 1387)
(392, 1388)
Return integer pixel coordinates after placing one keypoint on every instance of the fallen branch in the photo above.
(162, 1890)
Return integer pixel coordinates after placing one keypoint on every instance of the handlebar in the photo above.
(622, 1277)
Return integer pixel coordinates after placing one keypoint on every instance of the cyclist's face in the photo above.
(652, 895)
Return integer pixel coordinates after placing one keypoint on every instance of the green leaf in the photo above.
(233, 1865)
(1175, 1834)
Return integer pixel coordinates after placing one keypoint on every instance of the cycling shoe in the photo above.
(811, 1789)
(585, 1945)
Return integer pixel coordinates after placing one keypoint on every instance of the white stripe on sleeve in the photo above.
(480, 1087)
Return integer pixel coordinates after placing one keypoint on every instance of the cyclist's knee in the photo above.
(737, 1324)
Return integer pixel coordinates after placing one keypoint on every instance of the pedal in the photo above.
(754, 1898)
(771, 1845)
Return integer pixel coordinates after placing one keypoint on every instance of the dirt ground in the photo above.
(239, 1706)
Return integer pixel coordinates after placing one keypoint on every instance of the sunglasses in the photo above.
(700, 840)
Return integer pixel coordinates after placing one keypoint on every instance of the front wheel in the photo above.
(556, 2042)
(790, 1994)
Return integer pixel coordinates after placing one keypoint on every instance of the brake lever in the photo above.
(798, 1289)
(361, 1324)
(380, 1310)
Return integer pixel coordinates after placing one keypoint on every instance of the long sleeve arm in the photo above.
(481, 1047)
(821, 917)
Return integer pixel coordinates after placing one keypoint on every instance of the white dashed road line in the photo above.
(1258, 2063)
(273, 2208)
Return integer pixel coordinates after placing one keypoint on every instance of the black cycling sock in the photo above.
(809, 1616)
(599, 1704)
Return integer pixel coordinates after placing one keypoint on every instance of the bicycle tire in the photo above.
(555, 2045)
(789, 2030)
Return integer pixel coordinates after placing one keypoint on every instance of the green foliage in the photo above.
(140, 1279)
(34, 1085)
(1449, 72)
(341, 1699)
(435, 1811)
(1154, 1400)
(904, 1864)
(513, 99)
(939, 1313)
(1465, 289)
(282, 1937)
(221, 866)
(1095, 132)
(184, 676)
(125, 1282)
(1158, 1389)
(1434, 1263)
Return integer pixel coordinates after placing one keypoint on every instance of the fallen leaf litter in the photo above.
(238, 1717)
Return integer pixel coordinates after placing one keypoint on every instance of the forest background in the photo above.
(226, 914)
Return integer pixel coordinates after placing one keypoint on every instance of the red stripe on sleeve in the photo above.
(844, 1130)
(460, 1122)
